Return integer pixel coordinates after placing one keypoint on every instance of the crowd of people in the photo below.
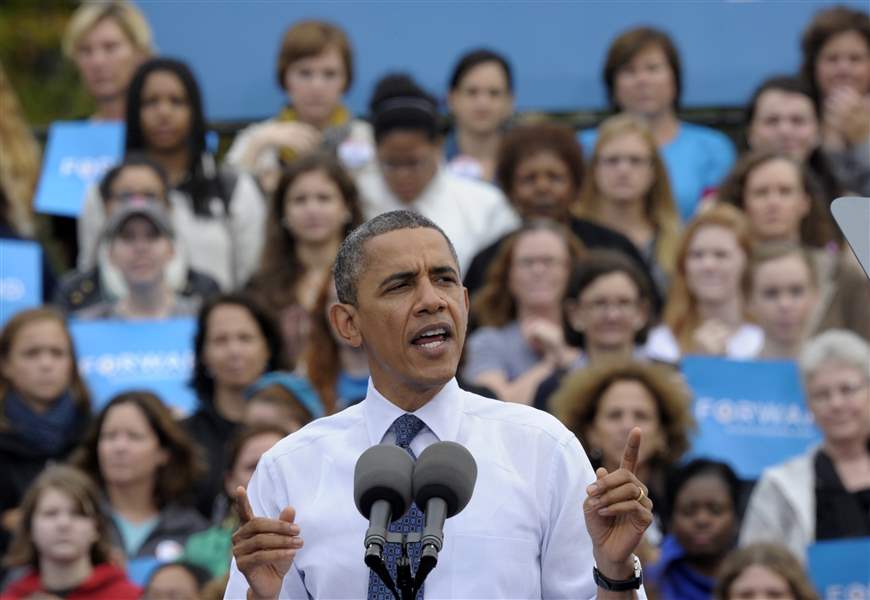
(594, 261)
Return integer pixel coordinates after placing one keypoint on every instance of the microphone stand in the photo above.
(407, 584)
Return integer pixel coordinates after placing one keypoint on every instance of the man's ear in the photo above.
(467, 301)
(343, 318)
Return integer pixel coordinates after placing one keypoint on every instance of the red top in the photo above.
(106, 582)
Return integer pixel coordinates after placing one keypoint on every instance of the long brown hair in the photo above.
(681, 311)
(174, 480)
(322, 356)
(81, 489)
(13, 327)
(660, 210)
(493, 305)
(274, 283)
(817, 227)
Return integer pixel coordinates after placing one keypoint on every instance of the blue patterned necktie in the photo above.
(406, 429)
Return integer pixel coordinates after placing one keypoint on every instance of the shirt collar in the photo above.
(441, 414)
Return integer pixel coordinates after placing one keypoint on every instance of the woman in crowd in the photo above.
(603, 403)
(145, 465)
(781, 204)
(315, 68)
(643, 77)
(212, 548)
(218, 213)
(522, 338)
(705, 312)
(410, 173)
(141, 245)
(283, 399)
(540, 168)
(763, 571)
(44, 404)
(782, 116)
(703, 525)
(628, 191)
(64, 543)
(481, 100)
(781, 297)
(236, 342)
(107, 41)
(313, 208)
(823, 494)
(608, 308)
(137, 178)
(338, 372)
(176, 581)
(836, 64)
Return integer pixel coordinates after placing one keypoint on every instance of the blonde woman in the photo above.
(705, 312)
(629, 192)
(19, 160)
(107, 41)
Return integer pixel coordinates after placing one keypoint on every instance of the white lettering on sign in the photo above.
(12, 289)
(137, 365)
(753, 414)
(86, 168)
(850, 591)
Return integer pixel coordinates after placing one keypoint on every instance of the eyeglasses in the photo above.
(847, 391)
(529, 262)
(632, 160)
(601, 306)
(142, 196)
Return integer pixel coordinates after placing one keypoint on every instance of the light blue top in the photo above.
(134, 534)
(697, 159)
(522, 534)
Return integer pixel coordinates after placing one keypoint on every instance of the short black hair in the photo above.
(134, 159)
(476, 57)
(200, 574)
(702, 467)
(398, 102)
(203, 381)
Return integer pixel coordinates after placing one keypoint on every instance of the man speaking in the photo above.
(540, 522)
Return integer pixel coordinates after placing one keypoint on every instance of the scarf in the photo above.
(336, 130)
(47, 432)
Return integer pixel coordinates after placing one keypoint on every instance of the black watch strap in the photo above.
(619, 585)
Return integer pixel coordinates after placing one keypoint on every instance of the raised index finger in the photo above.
(632, 448)
(246, 513)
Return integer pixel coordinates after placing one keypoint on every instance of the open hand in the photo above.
(264, 548)
(618, 511)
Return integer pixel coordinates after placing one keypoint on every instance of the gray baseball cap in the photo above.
(148, 209)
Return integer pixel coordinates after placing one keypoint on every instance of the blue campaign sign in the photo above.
(116, 356)
(20, 277)
(77, 155)
(750, 414)
(840, 569)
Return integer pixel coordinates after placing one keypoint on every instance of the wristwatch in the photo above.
(619, 585)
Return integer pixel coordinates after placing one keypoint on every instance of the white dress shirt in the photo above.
(472, 213)
(522, 535)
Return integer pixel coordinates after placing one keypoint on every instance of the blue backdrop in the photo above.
(557, 47)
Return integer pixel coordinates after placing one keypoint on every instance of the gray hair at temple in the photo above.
(350, 262)
(835, 345)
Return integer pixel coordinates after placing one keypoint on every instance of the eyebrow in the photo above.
(403, 276)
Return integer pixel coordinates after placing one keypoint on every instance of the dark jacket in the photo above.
(20, 463)
(591, 234)
(78, 290)
(175, 524)
(106, 582)
(212, 432)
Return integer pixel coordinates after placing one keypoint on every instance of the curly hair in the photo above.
(174, 480)
(817, 227)
(578, 399)
(493, 305)
(772, 557)
(826, 24)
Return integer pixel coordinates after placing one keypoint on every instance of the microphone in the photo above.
(444, 479)
(382, 484)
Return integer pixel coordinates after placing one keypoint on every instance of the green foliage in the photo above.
(30, 49)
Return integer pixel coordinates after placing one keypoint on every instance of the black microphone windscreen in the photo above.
(445, 470)
(383, 472)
